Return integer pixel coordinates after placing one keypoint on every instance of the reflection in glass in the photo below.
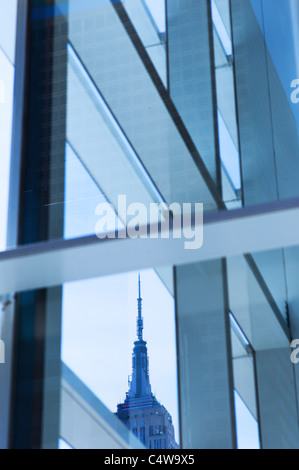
(98, 331)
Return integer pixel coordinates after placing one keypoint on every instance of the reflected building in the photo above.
(141, 412)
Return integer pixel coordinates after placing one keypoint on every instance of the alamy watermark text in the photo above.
(153, 221)
(295, 93)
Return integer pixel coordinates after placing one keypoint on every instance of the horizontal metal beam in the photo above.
(226, 234)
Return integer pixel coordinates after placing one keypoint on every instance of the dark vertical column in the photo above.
(204, 357)
(36, 378)
(7, 316)
(191, 76)
(7, 313)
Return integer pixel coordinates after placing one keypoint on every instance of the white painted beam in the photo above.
(226, 234)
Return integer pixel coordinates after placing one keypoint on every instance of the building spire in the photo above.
(139, 385)
(139, 318)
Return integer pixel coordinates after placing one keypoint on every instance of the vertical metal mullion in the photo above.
(214, 98)
(167, 48)
(18, 125)
(257, 399)
(229, 353)
(236, 103)
(177, 349)
(19, 116)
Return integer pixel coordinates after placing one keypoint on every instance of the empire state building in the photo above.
(141, 412)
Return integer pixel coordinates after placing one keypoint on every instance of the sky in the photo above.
(99, 330)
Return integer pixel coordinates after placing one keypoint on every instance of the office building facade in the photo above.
(109, 108)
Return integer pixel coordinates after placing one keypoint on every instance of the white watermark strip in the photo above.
(2, 352)
(295, 93)
(295, 353)
(179, 221)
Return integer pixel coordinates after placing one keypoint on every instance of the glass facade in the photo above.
(149, 215)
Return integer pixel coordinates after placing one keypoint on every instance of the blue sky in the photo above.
(99, 330)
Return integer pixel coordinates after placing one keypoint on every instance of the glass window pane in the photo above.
(111, 130)
(148, 17)
(191, 75)
(245, 392)
(8, 15)
(265, 66)
(247, 427)
(119, 356)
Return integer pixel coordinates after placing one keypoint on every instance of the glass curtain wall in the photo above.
(147, 102)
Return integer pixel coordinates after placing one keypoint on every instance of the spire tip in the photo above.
(139, 318)
(139, 289)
